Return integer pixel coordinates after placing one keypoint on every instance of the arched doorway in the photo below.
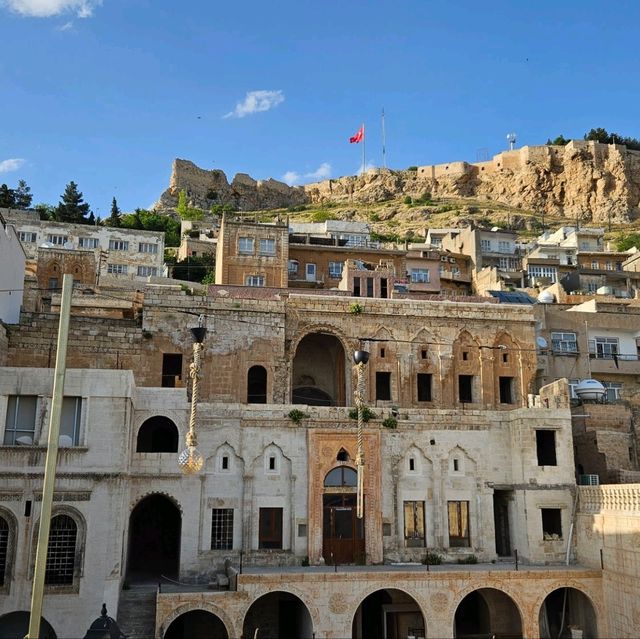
(278, 615)
(154, 539)
(257, 385)
(197, 624)
(157, 435)
(388, 614)
(319, 371)
(342, 531)
(564, 608)
(15, 625)
(487, 612)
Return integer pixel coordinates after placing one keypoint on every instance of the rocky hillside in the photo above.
(596, 182)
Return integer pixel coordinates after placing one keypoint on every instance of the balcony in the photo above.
(627, 364)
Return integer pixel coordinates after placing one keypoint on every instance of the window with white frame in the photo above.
(222, 529)
(20, 424)
(245, 245)
(118, 245)
(117, 269)
(254, 280)
(604, 347)
(58, 240)
(88, 242)
(420, 275)
(543, 271)
(508, 263)
(293, 267)
(564, 342)
(504, 246)
(267, 246)
(594, 264)
(613, 390)
(485, 245)
(147, 247)
(335, 270)
(27, 236)
(147, 271)
(70, 419)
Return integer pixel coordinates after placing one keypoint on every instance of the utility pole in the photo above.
(51, 461)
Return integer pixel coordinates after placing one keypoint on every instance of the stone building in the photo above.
(12, 260)
(126, 254)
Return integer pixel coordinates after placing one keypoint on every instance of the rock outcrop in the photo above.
(596, 182)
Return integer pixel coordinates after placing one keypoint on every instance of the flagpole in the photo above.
(364, 146)
(384, 143)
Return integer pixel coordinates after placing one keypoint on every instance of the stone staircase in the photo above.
(137, 611)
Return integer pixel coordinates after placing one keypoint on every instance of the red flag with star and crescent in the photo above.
(358, 137)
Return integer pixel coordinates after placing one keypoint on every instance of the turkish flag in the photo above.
(358, 137)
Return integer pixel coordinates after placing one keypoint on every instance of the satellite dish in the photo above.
(47, 245)
(511, 139)
(25, 440)
(546, 297)
(542, 342)
(64, 441)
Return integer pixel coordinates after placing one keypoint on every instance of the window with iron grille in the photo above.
(4, 549)
(414, 523)
(21, 419)
(222, 529)
(62, 551)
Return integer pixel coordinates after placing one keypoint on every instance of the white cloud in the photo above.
(12, 164)
(256, 102)
(321, 173)
(67, 26)
(48, 8)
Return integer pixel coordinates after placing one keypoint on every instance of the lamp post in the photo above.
(190, 460)
(360, 358)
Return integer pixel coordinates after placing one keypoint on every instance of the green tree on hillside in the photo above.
(152, 221)
(559, 141)
(185, 211)
(23, 195)
(72, 208)
(625, 241)
(115, 219)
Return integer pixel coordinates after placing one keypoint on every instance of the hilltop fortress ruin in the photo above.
(594, 181)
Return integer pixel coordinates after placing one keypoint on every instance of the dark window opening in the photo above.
(384, 291)
(157, 435)
(356, 287)
(369, 287)
(424, 354)
(62, 551)
(458, 515)
(27, 508)
(412, 464)
(551, 523)
(424, 387)
(341, 477)
(465, 355)
(272, 463)
(382, 352)
(456, 465)
(505, 358)
(546, 447)
(171, 369)
(383, 386)
(270, 528)
(222, 529)
(225, 462)
(506, 390)
(257, 385)
(342, 455)
(465, 389)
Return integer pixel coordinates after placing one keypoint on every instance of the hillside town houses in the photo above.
(493, 421)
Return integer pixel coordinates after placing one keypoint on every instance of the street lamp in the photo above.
(360, 358)
(190, 460)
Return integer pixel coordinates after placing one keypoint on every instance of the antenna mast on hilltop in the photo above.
(384, 143)
(511, 139)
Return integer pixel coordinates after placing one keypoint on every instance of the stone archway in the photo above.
(487, 612)
(197, 624)
(154, 539)
(319, 371)
(16, 624)
(278, 615)
(157, 434)
(388, 614)
(564, 608)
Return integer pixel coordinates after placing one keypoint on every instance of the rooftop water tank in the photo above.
(590, 390)
(546, 297)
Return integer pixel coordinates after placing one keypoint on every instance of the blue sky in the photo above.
(108, 93)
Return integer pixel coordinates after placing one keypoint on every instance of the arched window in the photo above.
(4, 550)
(340, 477)
(61, 557)
(157, 435)
(342, 456)
(257, 385)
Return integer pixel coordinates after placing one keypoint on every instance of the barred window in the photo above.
(62, 551)
(222, 529)
(4, 549)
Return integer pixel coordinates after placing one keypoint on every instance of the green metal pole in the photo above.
(50, 463)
